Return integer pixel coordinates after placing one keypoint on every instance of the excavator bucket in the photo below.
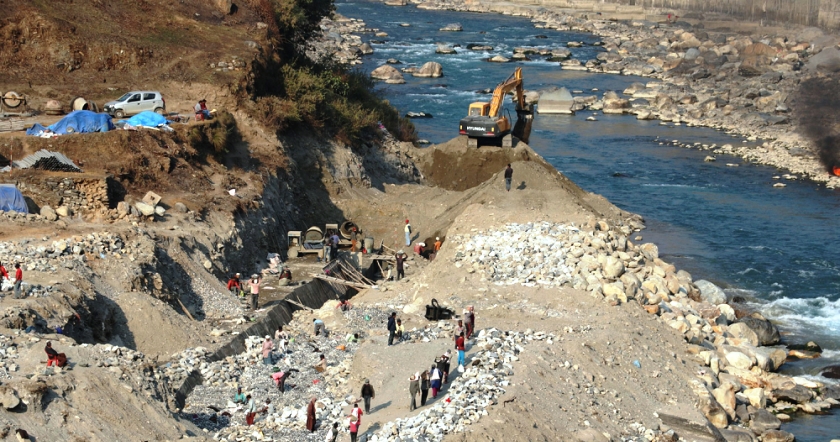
(524, 120)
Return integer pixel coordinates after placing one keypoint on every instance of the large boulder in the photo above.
(739, 360)
(762, 421)
(558, 101)
(767, 333)
(452, 27)
(631, 284)
(777, 436)
(389, 74)
(144, 209)
(8, 397)
(499, 59)
(770, 358)
(726, 398)
(444, 49)
(755, 58)
(613, 268)
(831, 392)
(827, 61)
(48, 213)
(743, 332)
(366, 49)
(224, 6)
(613, 104)
(63, 211)
(711, 293)
(737, 435)
(430, 69)
(797, 395)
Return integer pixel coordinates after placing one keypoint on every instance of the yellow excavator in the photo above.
(486, 120)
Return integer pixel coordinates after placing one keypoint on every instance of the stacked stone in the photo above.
(235, 64)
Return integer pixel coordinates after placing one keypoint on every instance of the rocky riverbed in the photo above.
(744, 85)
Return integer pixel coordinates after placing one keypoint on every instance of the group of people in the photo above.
(420, 248)
(18, 278)
(434, 379)
(237, 288)
(331, 241)
(396, 329)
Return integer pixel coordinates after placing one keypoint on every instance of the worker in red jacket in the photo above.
(234, 285)
(3, 272)
(52, 355)
(18, 280)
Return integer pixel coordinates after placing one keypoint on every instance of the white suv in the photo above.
(135, 102)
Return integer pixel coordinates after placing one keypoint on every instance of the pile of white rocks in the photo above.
(47, 257)
(184, 363)
(8, 357)
(519, 254)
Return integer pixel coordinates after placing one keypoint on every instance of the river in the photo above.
(722, 221)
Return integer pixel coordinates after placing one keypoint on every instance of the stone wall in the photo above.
(80, 194)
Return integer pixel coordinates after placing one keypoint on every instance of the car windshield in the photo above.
(124, 97)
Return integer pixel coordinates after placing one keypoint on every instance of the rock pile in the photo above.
(741, 353)
(519, 254)
(8, 357)
(340, 39)
(235, 64)
(247, 370)
(63, 253)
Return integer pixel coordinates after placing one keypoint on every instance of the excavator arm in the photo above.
(512, 82)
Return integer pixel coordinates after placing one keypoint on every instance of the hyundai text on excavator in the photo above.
(487, 121)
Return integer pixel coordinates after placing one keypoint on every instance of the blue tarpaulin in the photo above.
(11, 199)
(80, 121)
(147, 119)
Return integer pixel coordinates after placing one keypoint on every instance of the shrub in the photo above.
(289, 90)
(217, 135)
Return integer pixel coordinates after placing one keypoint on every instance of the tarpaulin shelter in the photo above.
(81, 121)
(11, 199)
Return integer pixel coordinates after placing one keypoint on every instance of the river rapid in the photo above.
(722, 221)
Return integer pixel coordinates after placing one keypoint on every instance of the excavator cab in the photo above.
(479, 109)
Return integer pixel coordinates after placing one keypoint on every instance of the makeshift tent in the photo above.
(11, 199)
(147, 119)
(80, 121)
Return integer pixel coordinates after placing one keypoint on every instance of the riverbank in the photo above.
(551, 272)
(713, 77)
